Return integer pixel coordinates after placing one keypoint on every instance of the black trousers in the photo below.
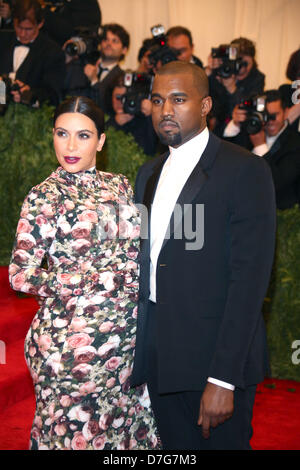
(177, 413)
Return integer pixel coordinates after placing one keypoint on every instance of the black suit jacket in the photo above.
(101, 92)
(209, 300)
(284, 161)
(43, 69)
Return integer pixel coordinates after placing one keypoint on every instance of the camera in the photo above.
(138, 87)
(85, 45)
(231, 60)
(160, 51)
(6, 87)
(257, 114)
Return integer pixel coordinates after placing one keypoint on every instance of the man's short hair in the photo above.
(119, 31)
(274, 95)
(178, 30)
(23, 9)
(199, 76)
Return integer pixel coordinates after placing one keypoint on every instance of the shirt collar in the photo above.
(270, 140)
(193, 148)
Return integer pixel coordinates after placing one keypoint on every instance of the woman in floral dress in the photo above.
(80, 346)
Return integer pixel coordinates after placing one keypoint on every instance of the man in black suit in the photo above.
(205, 269)
(106, 71)
(180, 39)
(278, 143)
(34, 62)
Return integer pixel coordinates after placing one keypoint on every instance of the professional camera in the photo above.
(257, 114)
(160, 51)
(231, 60)
(138, 88)
(85, 45)
(6, 87)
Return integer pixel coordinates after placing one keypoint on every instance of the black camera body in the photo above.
(85, 45)
(138, 87)
(7, 86)
(257, 114)
(160, 51)
(231, 60)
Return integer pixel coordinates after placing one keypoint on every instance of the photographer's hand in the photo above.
(238, 115)
(123, 118)
(5, 11)
(146, 107)
(17, 94)
(229, 84)
(91, 71)
(258, 139)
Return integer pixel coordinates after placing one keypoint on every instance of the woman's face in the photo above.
(76, 142)
(246, 69)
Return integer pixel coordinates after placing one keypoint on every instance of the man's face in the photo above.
(244, 71)
(117, 95)
(182, 44)
(272, 128)
(112, 47)
(27, 31)
(178, 108)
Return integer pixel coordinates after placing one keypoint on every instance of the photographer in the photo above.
(145, 65)
(64, 18)
(276, 142)
(291, 92)
(137, 123)
(34, 63)
(227, 89)
(180, 39)
(5, 15)
(102, 75)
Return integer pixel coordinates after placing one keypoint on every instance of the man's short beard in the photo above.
(170, 139)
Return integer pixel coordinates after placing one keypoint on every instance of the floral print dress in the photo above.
(80, 346)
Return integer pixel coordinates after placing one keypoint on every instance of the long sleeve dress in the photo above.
(80, 346)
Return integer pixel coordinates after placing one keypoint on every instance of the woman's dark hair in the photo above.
(82, 105)
(293, 67)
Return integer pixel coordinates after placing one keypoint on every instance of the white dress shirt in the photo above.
(262, 149)
(232, 130)
(175, 173)
(20, 54)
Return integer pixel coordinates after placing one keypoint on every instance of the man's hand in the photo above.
(17, 94)
(91, 71)
(123, 118)
(216, 406)
(146, 107)
(5, 11)
(230, 84)
(258, 139)
(238, 115)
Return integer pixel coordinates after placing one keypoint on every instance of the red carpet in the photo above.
(276, 420)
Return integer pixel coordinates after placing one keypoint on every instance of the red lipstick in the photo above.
(71, 160)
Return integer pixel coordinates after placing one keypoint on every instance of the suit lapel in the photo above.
(152, 183)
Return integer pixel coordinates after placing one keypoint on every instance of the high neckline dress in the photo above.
(80, 346)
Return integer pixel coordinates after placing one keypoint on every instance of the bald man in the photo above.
(205, 264)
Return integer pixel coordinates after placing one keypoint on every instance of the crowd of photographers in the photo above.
(50, 50)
